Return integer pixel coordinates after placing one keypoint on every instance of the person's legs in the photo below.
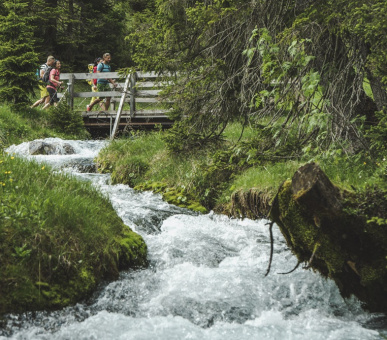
(37, 103)
(52, 98)
(107, 103)
(104, 88)
(93, 98)
(95, 101)
(43, 96)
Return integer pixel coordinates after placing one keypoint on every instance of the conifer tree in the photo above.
(17, 57)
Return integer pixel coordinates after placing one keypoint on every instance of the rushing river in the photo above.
(205, 279)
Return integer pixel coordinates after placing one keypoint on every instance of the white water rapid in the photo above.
(205, 279)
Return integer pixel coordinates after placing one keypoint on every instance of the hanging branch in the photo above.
(271, 247)
(297, 265)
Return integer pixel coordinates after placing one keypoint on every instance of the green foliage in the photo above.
(29, 124)
(59, 237)
(65, 120)
(368, 21)
(77, 32)
(177, 37)
(131, 171)
(213, 176)
(377, 134)
(17, 57)
(292, 94)
(140, 5)
(182, 137)
(132, 155)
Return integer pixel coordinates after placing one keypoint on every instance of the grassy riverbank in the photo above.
(30, 124)
(59, 237)
(209, 176)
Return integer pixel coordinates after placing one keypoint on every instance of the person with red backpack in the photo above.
(93, 83)
(53, 84)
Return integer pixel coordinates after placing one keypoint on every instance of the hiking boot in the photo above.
(88, 108)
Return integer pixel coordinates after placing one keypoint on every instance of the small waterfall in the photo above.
(205, 279)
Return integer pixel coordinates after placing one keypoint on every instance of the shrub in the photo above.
(63, 119)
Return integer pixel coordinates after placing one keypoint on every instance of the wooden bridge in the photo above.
(140, 90)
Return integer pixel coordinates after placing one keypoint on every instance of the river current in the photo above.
(206, 278)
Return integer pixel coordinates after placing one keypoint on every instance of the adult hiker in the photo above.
(103, 84)
(44, 95)
(54, 84)
(95, 100)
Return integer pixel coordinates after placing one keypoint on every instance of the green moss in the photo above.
(133, 251)
(344, 246)
(371, 273)
(174, 196)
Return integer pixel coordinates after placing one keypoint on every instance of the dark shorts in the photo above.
(103, 88)
(53, 96)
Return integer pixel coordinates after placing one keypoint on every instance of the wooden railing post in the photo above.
(70, 84)
(122, 102)
(133, 78)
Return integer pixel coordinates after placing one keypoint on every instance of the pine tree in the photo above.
(17, 57)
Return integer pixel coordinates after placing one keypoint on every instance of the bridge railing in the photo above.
(144, 87)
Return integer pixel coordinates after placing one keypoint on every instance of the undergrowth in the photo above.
(246, 159)
(30, 124)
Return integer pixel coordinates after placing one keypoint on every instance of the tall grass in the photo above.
(144, 157)
(59, 237)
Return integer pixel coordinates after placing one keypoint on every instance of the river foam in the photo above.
(206, 280)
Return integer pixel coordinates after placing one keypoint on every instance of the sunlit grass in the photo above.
(58, 233)
(144, 157)
(265, 177)
(18, 127)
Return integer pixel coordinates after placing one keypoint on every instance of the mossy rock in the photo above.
(324, 231)
(176, 196)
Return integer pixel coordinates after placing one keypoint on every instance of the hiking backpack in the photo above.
(90, 68)
(46, 75)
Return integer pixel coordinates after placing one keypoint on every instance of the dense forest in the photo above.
(313, 72)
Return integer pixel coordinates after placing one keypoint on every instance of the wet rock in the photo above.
(44, 148)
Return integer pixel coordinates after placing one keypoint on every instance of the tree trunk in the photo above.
(323, 228)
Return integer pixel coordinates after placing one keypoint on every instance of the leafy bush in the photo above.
(30, 124)
(64, 119)
(182, 137)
